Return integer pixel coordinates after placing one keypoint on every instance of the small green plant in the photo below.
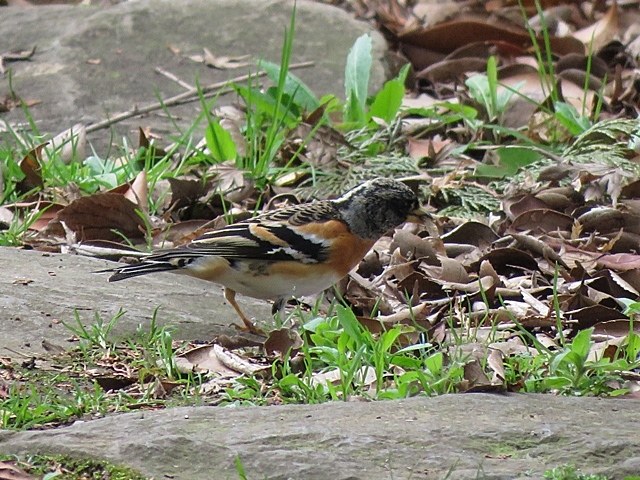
(155, 349)
(342, 359)
(49, 467)
(484, 90)
(96, 336)
(14, 235)
(29, 406)
(569, 371)
(269, 115)
(569, 472)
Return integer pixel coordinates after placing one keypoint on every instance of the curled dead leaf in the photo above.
(99, 217)
(283, 341)
(30, 166)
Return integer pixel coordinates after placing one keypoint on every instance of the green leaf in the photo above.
(266, 104)
(356, 79)
(511, 160)
(569, 117)
(633, 347)
(581, 344)
(387, 102)
(505, 95)
(350, 323)
(478, 86)
(220, 143)
(388, 338)
(434, 363)
(293, 86)
(492, 83)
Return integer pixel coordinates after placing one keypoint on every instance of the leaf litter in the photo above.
(557, 255)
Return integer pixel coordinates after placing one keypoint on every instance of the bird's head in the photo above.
(376, 206)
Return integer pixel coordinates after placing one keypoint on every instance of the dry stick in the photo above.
(177, 99)
(171, 76)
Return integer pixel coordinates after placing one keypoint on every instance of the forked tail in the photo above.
(142, 268)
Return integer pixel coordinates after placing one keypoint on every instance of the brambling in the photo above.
(292, 251)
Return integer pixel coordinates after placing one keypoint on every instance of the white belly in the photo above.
(249, 281)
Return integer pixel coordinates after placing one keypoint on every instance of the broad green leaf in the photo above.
(350, 323)
(356, 78)
(511, 160)
(388, 338)
(633, 346)
(492, 83)
(581, 344)
(505, 95)
(568, 116)
(265, 104)
(387, 102)
(293, 86)
(220, 143)
(434, 363)
(478, 86)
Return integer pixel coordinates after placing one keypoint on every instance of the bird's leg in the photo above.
(278, 308)
(230, 295)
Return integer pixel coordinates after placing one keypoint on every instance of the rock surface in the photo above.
(93, 62)
(473, 436)
(37, 290)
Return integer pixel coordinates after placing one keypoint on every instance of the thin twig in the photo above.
(171, 76)
(179, 99)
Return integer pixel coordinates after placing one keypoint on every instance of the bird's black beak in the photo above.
(419, 215)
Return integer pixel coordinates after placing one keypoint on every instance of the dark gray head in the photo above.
(377, 206)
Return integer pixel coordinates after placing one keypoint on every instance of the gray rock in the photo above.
(476, 436)
(57, 285)
(131, 39)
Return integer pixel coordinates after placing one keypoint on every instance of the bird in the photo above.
(291, 251)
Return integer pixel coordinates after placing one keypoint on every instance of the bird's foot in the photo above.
(249, 328)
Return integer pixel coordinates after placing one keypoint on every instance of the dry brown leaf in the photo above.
(616, 328)
(222, 62)
(282, 342)
(508, 261)
(10, 471)
(542, 221)
(97, 216)
(185, 191)
(589, 316)
(452, 70)
(475, 379)
(600, 33)
(519, 204)
(30, 166)
(620, 261)
(203, 359)
(471, 233)
(446, 37)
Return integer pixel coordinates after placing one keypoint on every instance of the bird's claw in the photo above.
(249, 328)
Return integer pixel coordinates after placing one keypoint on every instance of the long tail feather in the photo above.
(138, 269)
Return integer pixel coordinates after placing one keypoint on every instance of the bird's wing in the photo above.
(283, 234)
(276, 235)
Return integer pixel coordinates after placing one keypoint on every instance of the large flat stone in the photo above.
(38, 288)
(475, 436)
(131, 39)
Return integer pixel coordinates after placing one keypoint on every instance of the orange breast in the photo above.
(347, 249)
